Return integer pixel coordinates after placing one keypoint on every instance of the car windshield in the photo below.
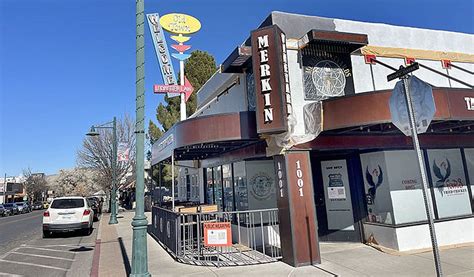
(20, 204)
(67, 203)
(8, 205)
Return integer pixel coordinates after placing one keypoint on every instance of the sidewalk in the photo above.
(338, 259)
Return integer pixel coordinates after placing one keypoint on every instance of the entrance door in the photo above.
(335, 196)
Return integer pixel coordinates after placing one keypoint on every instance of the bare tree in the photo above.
(77, 181)
(96, 153)
(35, 184)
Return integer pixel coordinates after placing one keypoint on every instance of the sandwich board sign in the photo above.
(423, 105)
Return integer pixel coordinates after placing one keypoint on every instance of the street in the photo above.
(23, 251)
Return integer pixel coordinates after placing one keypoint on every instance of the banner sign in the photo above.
(217, 234)
(272, 87)
(162, 53)
(123, 152)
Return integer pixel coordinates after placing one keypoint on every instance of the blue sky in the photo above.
(65, 65)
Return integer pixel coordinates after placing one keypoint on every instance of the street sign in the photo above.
(423, 105)
(187, 89)
(403, 71)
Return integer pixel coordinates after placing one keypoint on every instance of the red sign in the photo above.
(180, 47)
(217, 234)
(187, 89)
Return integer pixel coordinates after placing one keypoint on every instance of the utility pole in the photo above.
(5, 189)
(139, 223)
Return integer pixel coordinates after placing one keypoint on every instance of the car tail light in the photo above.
(86, 212)
(46, 214)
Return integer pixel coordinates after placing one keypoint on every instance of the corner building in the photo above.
(297, 118)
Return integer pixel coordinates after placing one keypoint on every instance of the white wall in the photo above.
(418, 237)
(234, 100)
(406, 37)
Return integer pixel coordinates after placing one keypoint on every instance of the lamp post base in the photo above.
(113, 220)
(139, 248)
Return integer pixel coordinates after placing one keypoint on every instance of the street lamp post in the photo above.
(113, 191)
(139, 223)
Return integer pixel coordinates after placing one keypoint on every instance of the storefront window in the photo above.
(209, 187)
(261, 184)
(228, 189)
(448, 182)
(377, 189)
(217, 173)
(469, 154)
(240, 187)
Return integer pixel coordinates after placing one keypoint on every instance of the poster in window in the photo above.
(337, 195)
(448, 182)
(376, 186)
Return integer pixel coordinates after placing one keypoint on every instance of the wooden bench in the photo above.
(208, 208)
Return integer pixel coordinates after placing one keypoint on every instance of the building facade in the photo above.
(298, 118)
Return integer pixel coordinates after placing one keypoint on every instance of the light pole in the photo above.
(139, 223)
(113, 191)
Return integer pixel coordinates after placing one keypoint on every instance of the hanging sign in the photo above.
(123, 152)
(217, 234)
(178, 23)
(161, 49)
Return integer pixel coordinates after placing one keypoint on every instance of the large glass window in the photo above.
(240, 187)
(448, 182)
(228, 188)
(469, 154)
(209, 187)
(218, 195)
(377, 188)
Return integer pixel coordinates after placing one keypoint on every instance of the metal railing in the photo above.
(254, 236)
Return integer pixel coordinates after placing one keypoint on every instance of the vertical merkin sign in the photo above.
(161, 49)
(269, 60)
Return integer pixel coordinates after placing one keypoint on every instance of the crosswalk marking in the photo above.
(37, 265)
(43, 256)
(46, 249)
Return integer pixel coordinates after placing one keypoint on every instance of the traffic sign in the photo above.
(423, 105)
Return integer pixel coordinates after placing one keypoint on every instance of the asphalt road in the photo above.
(23, 251)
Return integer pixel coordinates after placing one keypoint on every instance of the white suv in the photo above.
(68, 214)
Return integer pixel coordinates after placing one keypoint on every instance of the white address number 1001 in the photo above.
(299, 177)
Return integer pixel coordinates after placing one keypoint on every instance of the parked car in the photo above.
(4, 211)
(66, 214)
(23, 207)
(37, 206)
(96, 206)
(12, 207)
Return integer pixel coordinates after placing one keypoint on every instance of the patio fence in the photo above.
(254, 236)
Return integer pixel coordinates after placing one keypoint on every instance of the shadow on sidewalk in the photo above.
(126, 261)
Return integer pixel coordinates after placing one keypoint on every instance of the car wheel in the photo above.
(46, 234)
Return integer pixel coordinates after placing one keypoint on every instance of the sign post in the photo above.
(413, 130)
(180, 24)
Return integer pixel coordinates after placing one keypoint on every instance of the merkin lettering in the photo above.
(265, 78)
